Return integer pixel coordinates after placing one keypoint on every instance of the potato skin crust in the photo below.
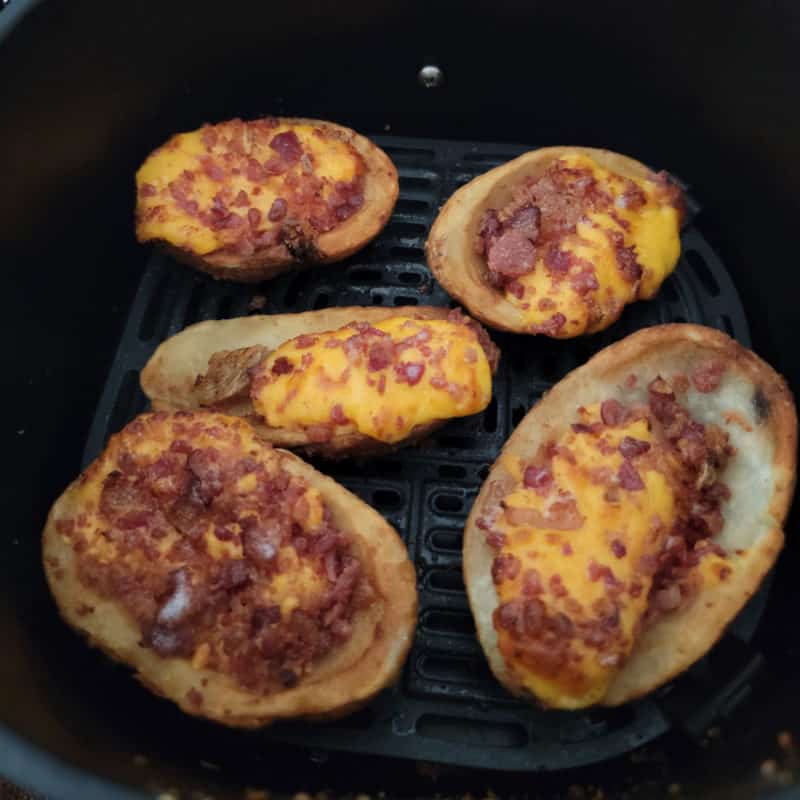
(761, 491)
(381, 188)
(340, 683)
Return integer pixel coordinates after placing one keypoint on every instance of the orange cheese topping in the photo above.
(381, 380)
(580, 541)
(581, 242)
(244, 186)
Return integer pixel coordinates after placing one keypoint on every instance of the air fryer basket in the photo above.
(87, 307)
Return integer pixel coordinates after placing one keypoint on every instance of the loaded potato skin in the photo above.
(336, 382)
(233, 578)
(630, 516)
(558, 241)
(245, 201)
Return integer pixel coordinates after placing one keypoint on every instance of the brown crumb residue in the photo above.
(257, 302)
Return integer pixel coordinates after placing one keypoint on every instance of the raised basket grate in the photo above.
(447, 707)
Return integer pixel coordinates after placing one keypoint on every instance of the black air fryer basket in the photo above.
(448, 91)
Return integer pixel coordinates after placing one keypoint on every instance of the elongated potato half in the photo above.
(761, 476)
(169, 377)
(381, 188)
(450, 247)
(340, 683)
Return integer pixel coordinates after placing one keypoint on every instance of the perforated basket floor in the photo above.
(446, 706)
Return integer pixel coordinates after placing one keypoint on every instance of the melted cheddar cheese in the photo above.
(296, 583)
(650, 233)
(588, 563)
(203, 189)
(381, 381)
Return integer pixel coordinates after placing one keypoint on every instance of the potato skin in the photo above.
(343, 681)
(169, 376)
(755, 519)
(450, 250)
(381, 188)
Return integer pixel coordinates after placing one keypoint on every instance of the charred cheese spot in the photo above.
(578, 275)
(236, 185)
(585, 548)
(380, 380)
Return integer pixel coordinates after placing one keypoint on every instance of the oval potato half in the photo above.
(341, 682)
(381, 188)
(761, 477)
(450, 247)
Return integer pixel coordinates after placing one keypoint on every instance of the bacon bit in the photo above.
(241, 199)
(546, 304)
(584, 282)
(630, 381)
(612, 412)
(706, 378)
(557, 587)
(630, 447)
(512, 254)
(338, 416)
(212, 170)
(277, 210)
(552, 326)
(381, 355)
(209, 136)
(496, 540)
(282, 366)
(254, 171)
(470, 355)
(516, 288)
(538, 478)
(505, 567)
(724, 573)
(618, 548)
(409, 372)
(147, 190)
(558, 261)
(305, 340)
(287, 146)
(381, 384)
(629, 478)
(253, 217)
(566, 549)
(632, 198)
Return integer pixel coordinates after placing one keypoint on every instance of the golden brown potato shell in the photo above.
(761, 477)
(381, 188)
(169, 377)
(450, 247)
(342, 682)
